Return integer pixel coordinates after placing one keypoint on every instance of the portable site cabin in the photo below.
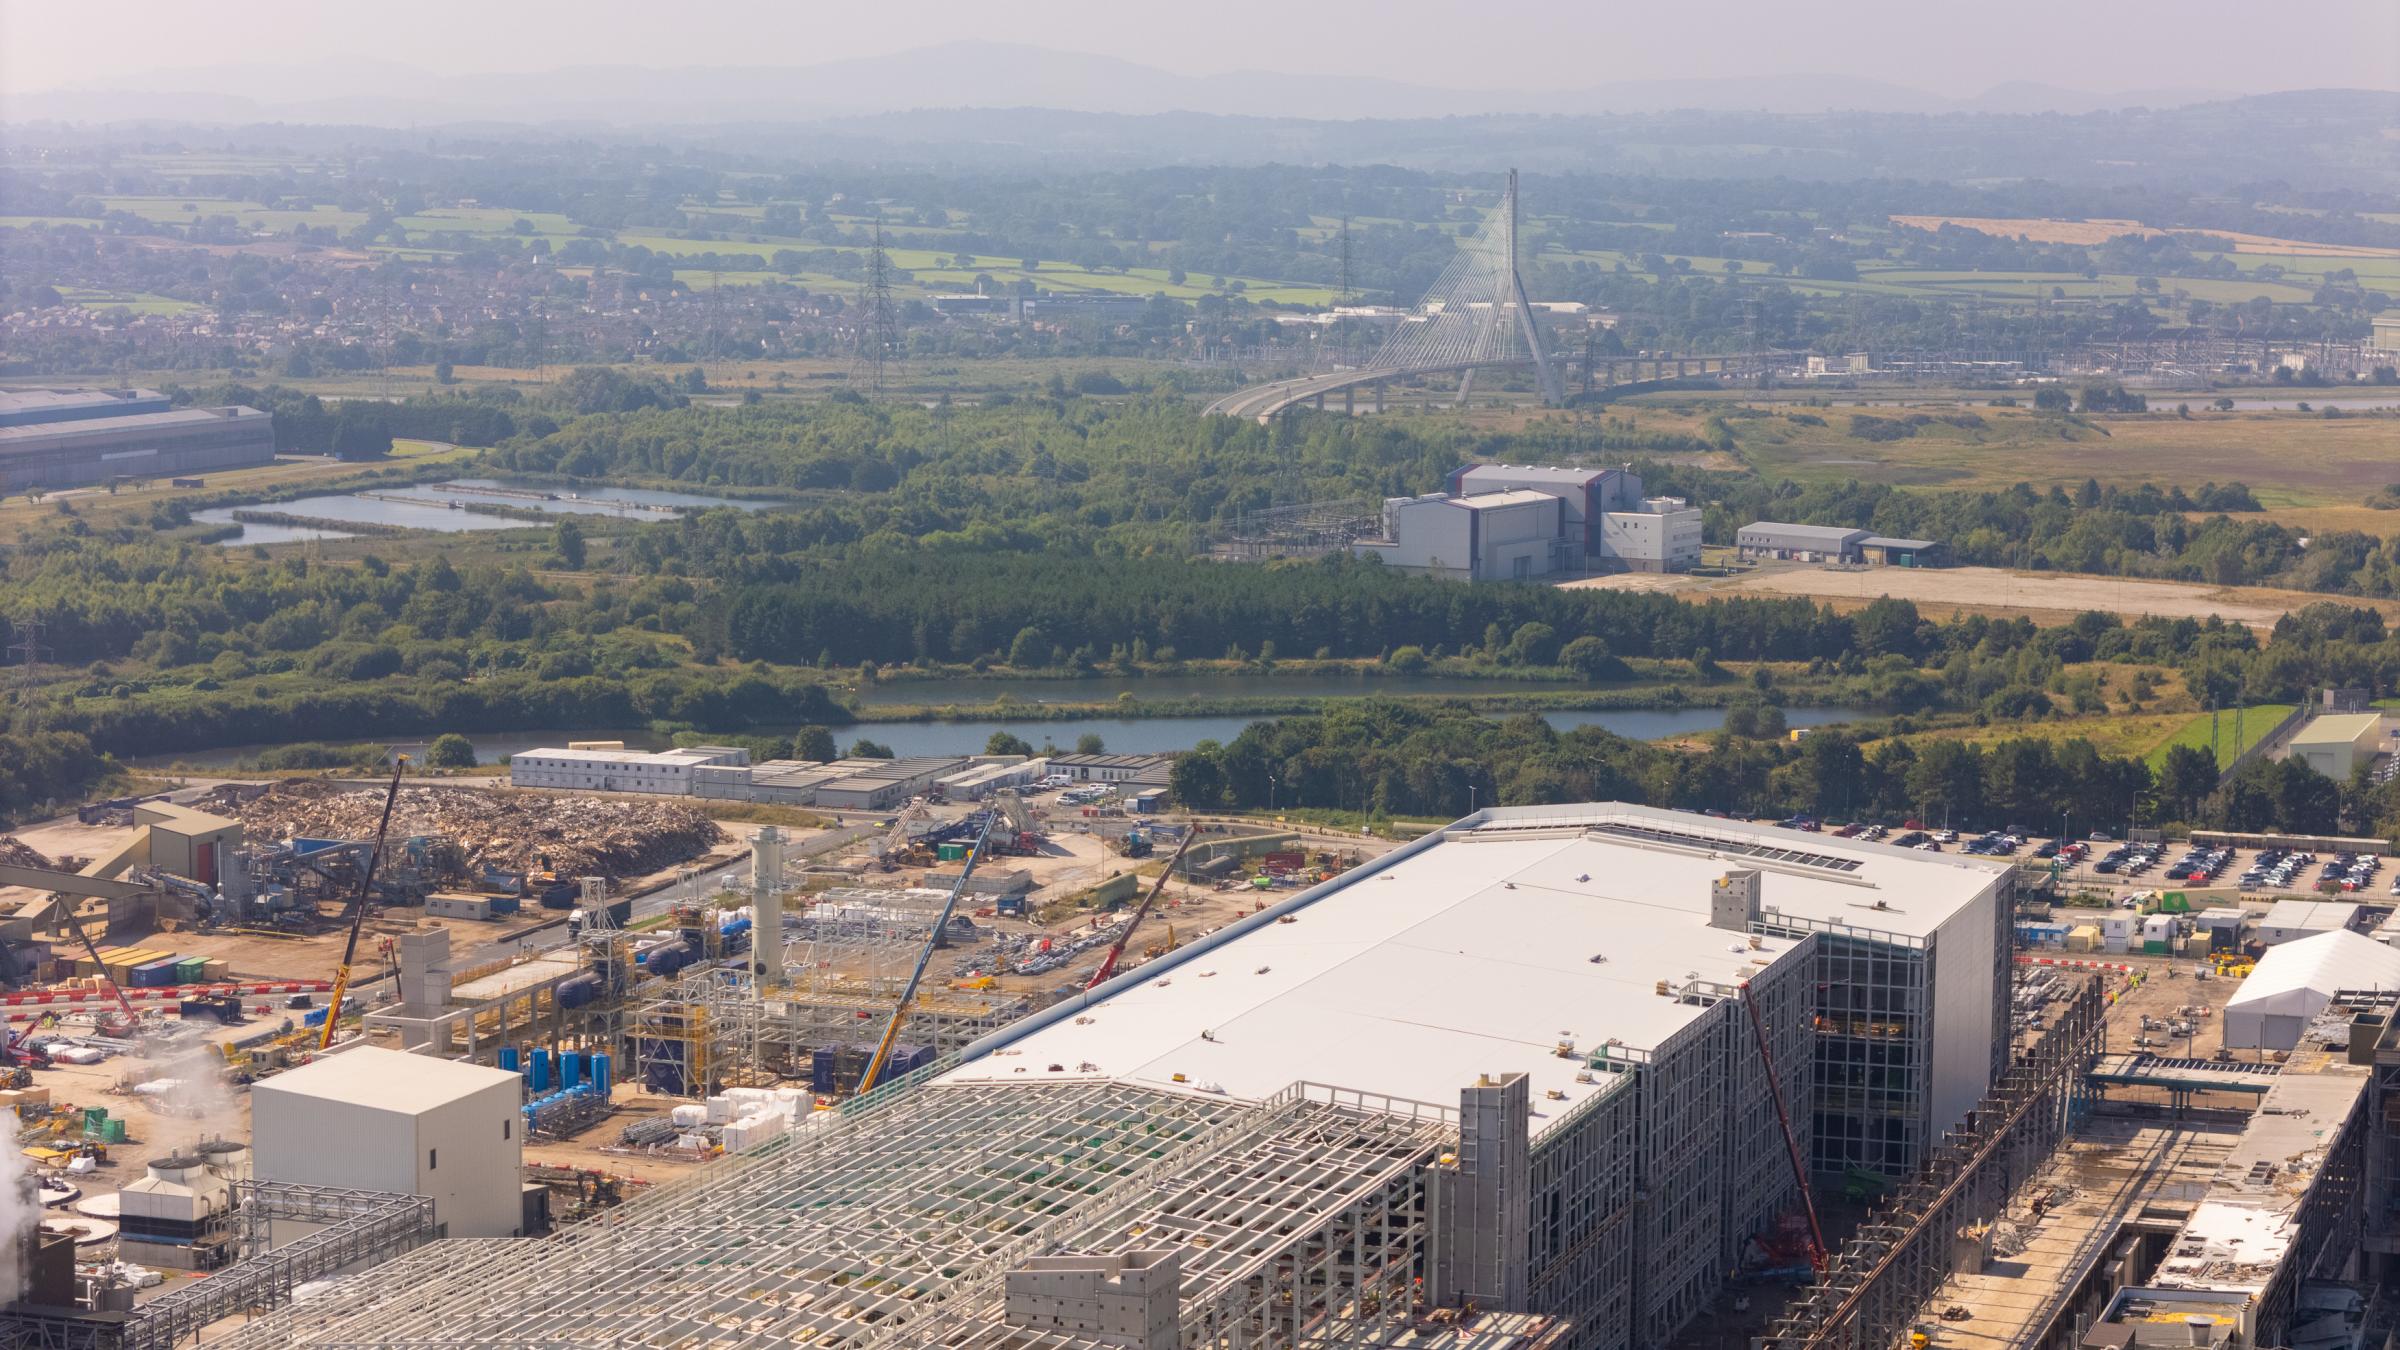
(2296, 981)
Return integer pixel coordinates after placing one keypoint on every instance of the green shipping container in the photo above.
(191, 970)
(95, 1118)
(2155, 948)
(114, 1133)
(951, 852)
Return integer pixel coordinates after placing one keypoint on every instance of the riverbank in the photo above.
(1118, 734)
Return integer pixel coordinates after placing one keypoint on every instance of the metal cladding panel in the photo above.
(317, 1142)
(1965, 970)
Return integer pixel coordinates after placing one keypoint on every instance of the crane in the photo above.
(133, 1020)
(17, 1052)
(1791, 1141)
(358, 906)
(1108, 964)
(908, 992)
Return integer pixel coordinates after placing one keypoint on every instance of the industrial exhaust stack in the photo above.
(766, 905)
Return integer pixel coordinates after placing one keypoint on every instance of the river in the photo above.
(1121, 735)
(973, 693)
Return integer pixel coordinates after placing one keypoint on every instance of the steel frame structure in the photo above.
(1876, 1286)
(358, 1227)
(1301, 1217)
(715, 1027)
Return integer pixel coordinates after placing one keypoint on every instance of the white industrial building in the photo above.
(2296, 981)
(1490, 526)
(385, 1120)
(1498, 536)
(2335, 746)
(1611, 523)
(1510, 1064)
(664, 772)
(2292, 920)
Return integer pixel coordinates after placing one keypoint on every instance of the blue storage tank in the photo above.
(537, 1070)
(669, 957)
(578, 991)
(603, 1075)
(508, 1058)
(570, 1070)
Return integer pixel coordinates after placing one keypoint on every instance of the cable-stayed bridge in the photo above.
(1474, 317)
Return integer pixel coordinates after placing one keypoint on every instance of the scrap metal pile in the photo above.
(512, 831)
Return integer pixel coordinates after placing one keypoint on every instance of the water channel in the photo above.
(1121, 735)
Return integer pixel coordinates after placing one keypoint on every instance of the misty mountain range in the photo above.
(960, 75)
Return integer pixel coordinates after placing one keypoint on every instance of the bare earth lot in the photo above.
(1941, 592)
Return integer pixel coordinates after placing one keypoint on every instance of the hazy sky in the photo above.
(1944, 45)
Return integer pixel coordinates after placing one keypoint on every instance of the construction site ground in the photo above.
(2116, 1164)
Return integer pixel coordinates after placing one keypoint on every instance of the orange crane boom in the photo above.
(1108, 964)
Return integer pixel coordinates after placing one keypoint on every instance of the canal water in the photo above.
(1121, 735)
(975, 693)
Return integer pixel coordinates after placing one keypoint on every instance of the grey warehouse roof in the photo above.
(1831, 534)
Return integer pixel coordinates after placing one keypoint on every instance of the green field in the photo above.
(2256, 721)
(2288, 459)
(137, 302)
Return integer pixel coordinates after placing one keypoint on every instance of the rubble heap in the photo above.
(580, 836)
(17, 853)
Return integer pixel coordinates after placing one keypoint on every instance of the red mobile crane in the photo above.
(1108, 964)
(1791, 1141)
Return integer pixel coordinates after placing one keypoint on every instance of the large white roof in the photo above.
(385, 1080)
(2321, 963)
(1472, 953)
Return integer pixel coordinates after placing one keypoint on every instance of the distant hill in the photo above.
(960, 75)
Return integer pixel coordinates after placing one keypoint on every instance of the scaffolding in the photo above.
(716, 1028)
(1877, 1285)
(1301, 1218)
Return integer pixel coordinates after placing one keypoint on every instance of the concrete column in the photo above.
(1377, 388)
(1349, 400)
(1318, 402)
(1482, 1230)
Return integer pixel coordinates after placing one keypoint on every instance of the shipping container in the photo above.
(154, 975)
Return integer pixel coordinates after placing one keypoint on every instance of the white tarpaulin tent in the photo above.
(2294, 982)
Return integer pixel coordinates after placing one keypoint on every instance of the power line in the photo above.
(26, 645)
(878, 327)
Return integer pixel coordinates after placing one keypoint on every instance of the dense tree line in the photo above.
(1384, 758)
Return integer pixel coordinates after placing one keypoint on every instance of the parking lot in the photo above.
(2103, 863)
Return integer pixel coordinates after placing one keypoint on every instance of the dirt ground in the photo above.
(1943, 592)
